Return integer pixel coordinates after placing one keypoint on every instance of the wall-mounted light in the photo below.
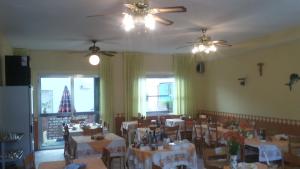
(94, 59)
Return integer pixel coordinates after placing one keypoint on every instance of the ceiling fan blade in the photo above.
(219, 41)
(96, 15)
(185, 46)
(108, 53)
(130, 6)
(223, 44)
(168, 9)
(163, 20)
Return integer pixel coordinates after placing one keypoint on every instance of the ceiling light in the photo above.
(94, 59)
(129, 21)
(149, 21)
(195, 50)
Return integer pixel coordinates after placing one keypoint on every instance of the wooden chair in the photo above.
(187, 133)
(172, 132)
(106, 125)
(199, 136)
(215, 158)
(158, 167)
(143, 123)
(203, 119)
(90, 132)
(213, 135)
(29, 161)
(66, 137)
(107, 158)
(292, 157)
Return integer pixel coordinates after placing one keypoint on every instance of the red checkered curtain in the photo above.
(65, 103)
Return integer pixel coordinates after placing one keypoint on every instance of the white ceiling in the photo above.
(63, 25)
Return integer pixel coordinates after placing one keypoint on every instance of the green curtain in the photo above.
(133, 74)
(184, 101)
(106, 107)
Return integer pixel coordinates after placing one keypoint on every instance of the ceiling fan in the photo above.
(95, 51)
(204, 43)
(140, 12)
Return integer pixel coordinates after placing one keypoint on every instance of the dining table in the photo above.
(175, 122)
(168, 156)
(267, 150)
(82, 146)
(76, 129)
(91, 163)
(249, 166)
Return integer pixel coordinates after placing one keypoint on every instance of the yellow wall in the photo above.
(266, 95)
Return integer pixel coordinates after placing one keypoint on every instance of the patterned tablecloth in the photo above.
(183, 153)
(91, 163)
(82, 146)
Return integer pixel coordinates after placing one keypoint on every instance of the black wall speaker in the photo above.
(17, 71)
(200, 67)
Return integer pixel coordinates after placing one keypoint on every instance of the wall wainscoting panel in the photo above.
(272, 124)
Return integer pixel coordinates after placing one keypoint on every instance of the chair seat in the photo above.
(217, 164)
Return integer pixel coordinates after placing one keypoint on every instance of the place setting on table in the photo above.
(154, 147)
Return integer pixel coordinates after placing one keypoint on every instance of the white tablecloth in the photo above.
(180, 154)
(270, 150)
(76, 130)
(175, 122)
(127, 125)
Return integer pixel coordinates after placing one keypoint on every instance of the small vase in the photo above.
(233, 162)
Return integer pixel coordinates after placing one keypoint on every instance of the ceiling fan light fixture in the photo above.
(195, 50)
(149, 21)
(207, 51)
(94, 59)
(201, 48)
(128, 22)
(212, 48)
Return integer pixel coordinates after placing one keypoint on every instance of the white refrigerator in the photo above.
(16, 115)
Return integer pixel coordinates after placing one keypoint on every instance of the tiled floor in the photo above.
(57, 155)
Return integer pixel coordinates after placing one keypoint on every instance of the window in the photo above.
(159, 95)
(69, 94)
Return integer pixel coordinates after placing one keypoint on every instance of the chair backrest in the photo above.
(294, 145)
(172, 132)
(143, 123)
(199, 131)
(203, 119)
(89, 132)
(213, 138)
(106, 124)
(29, 161)
(214, 154)
(188, 124)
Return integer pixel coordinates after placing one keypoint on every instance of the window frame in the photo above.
(72, 76)
(165, 76)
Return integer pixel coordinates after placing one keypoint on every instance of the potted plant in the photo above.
(234, 141)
